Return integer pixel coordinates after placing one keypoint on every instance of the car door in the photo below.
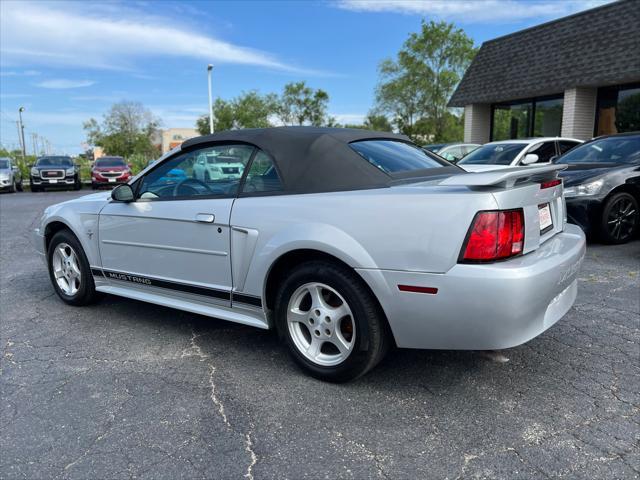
(174, 237)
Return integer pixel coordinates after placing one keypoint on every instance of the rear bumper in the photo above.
(483, 307)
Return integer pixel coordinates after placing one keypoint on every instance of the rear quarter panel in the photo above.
(400, 228)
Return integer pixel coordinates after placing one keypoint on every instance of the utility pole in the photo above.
(24, 147)
(209, 69)
(34, 143)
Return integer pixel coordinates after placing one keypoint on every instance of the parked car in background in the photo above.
(454, 153)
(57, 171)
(10, 175)
(219, 165)
(434, 147)
(514, 153)
(602, 186)
(109, 171)
(300, 243)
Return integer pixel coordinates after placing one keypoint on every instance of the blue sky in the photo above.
(68, 62)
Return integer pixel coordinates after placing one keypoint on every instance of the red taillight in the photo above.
(550, 183)
(494, 235)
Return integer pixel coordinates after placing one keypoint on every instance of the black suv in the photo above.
(54, 171)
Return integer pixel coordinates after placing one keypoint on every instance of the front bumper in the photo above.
(53, 182)
(5, 183)
(486, 306)
(585, 212)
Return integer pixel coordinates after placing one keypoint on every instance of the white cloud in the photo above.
(24, 73)
(476, 11)
(62, 83)
(114, 38)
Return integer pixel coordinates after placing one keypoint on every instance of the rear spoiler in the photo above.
(504, 177)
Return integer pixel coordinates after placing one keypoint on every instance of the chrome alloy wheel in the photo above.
(66, 269)
(622, 219)
(321, 324)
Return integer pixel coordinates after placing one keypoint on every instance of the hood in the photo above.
(53, 167)
(581, 173)
(117, 168)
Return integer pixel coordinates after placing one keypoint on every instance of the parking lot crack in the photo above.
(195, 350)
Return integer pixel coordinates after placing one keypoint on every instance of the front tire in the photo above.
(69, 270)
(331, 323)
(12, 188)
(620, 218)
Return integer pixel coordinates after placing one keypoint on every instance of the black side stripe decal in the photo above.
(180, 287)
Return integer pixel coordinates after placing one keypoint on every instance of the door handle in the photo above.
(205, 217)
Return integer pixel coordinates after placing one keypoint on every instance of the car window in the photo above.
(54, 161)
(625, 149)
(470, 148)
(208, 171)
(262, 175)
(566, 145)
(544, 150)
(493, 154)
(110, 162)
(392, 156)
(452, 153)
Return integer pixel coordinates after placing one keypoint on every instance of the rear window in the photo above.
(110, 162)
(392, 156)
(496, 154)
(605, 150)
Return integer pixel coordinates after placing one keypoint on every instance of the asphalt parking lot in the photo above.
(124, 389)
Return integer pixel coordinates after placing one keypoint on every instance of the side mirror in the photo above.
(554, 159)
(529, 158)
(122, 193)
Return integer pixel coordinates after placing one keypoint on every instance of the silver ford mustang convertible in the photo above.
(344, 241)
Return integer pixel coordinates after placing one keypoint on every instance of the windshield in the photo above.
(493, 154)
(110, 162)
(606, 150)
(4, 164)
(54, 162)
(392, 156)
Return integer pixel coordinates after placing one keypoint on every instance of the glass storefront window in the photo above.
(533, 118)
(511, 121)
(618, 109)
(548, 118)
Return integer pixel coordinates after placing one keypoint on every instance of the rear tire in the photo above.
(331, 323)
(69, 270)
(620, 218)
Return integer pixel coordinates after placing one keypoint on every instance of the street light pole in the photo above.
(209, 69)
(24, 152)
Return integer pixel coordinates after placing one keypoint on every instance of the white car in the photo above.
(344, 241)
(210, 166)
(519, 152)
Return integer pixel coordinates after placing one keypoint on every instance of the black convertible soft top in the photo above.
(312, 159)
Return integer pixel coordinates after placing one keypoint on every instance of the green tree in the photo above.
(248, 110)
(379, 123)
(302, 105)
(126, 130)
(415, 87)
